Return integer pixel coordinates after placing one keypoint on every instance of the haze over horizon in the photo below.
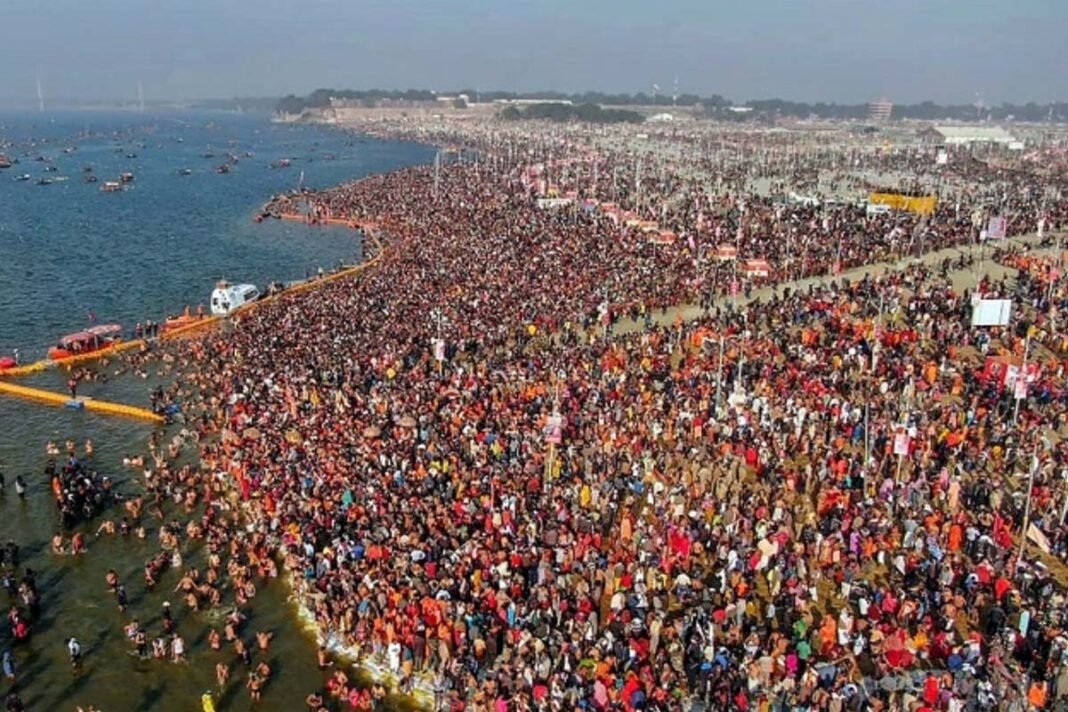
(819, 50)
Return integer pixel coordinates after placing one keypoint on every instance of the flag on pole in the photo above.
(1035, 534)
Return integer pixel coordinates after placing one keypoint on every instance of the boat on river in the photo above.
(187, 318)
(111, 186)
(95, 338)
(226, 297)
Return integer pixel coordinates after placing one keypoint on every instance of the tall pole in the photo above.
(911, 389)
(871, 381)
(437, 172)
(734, 264)
(1019, 395)
(1027, 507)
(440, 344)
(638, 183)
(867, 426)
(550, 461)
(742, 343)
(1064, 506)
(1056, 266)
(837, 260)
(719, 371)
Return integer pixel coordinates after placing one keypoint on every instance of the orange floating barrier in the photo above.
(63, 401)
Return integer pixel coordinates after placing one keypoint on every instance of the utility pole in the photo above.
(1021, 379)
(719, 370)
(437, 172)
(871, 382)
(638, 182)
(1027, 507)
(550, 461)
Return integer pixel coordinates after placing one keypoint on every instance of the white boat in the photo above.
(228, 297)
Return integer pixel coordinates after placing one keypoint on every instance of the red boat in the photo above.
(177, 322)
(7, 362)
(92, 339)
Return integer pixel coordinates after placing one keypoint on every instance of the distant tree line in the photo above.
(587, 113)
(924, 111)
(714, 106)
(320, 98)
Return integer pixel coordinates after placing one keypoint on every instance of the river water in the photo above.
(66, 250)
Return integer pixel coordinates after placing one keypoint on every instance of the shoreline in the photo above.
(422, 690)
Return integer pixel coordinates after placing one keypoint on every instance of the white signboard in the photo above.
(996, 228)
(554, 429)
(1020, 389)
(901, 441)
(992, 312)
(553, 202)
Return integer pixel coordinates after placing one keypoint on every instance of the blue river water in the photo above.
(68, 249)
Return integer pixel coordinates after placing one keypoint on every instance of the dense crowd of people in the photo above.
(504, 473)
(811, 499)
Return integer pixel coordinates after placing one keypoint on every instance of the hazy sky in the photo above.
(830, 50)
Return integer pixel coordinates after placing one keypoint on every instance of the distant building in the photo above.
(879, 111)
(527, 102)
(740, 109)
(967, 135)
(662, 117)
